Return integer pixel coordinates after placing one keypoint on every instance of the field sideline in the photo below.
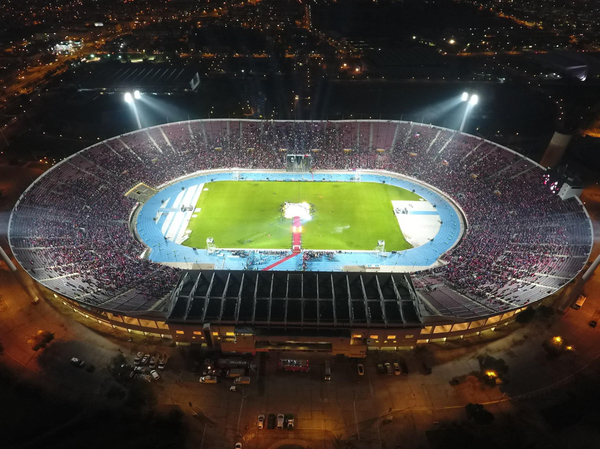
(348, 216)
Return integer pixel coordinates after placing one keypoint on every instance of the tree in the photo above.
(478, 414)
(117, 360)
(421, 350)
(492, 369)
(525, 316)
(140, 396)
(41, 340)
(491, 363)
(116, 393)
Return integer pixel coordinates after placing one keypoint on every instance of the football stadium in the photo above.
(333, 236)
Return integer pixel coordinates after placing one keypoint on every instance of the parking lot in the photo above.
(345, 406)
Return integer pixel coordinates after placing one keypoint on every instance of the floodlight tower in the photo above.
(130, 100)
(472, 101)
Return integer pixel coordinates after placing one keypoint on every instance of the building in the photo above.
(145, 77)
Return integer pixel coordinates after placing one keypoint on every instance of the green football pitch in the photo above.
(347, 216)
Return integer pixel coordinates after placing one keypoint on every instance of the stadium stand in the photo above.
(70, 229)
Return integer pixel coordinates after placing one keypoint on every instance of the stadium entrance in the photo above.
(298, 163)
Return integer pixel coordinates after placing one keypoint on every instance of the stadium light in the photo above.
(472, 101)
(129, 99)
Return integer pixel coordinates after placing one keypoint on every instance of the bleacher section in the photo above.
(70, 229)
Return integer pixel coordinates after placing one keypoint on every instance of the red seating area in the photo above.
(72, 223)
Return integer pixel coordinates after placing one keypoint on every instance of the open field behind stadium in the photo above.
(347, 216)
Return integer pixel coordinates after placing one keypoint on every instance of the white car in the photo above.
(361, 369)
(280, 421)
(76, 362)
(154, 374)
(238, 445)
(162, 361)
(208, 380)
(138, 358)
(261, 421)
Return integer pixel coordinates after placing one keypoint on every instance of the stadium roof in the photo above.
(290, 298)
(145, 77)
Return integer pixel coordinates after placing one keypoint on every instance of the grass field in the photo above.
(347, 216)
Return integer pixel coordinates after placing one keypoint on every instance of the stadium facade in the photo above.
(72, 232)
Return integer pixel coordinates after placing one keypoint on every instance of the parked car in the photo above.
(153, 361)
(78, 363)
(145, 359)
(290, 422)
(396, 369)
(271, 421)
(154, 374)
(212, 372)
(380, 368)
(280, 421)
(238, 445)
(138, 358)
(361, 369)
(208, 380)
(137, 370)
(244, 380)
(261, 421)
(388, 368)
(162, 361)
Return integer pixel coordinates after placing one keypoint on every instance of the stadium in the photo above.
(334, 236)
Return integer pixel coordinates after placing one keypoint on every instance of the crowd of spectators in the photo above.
(73, 223)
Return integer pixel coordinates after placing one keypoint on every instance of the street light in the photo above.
(472, 101)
